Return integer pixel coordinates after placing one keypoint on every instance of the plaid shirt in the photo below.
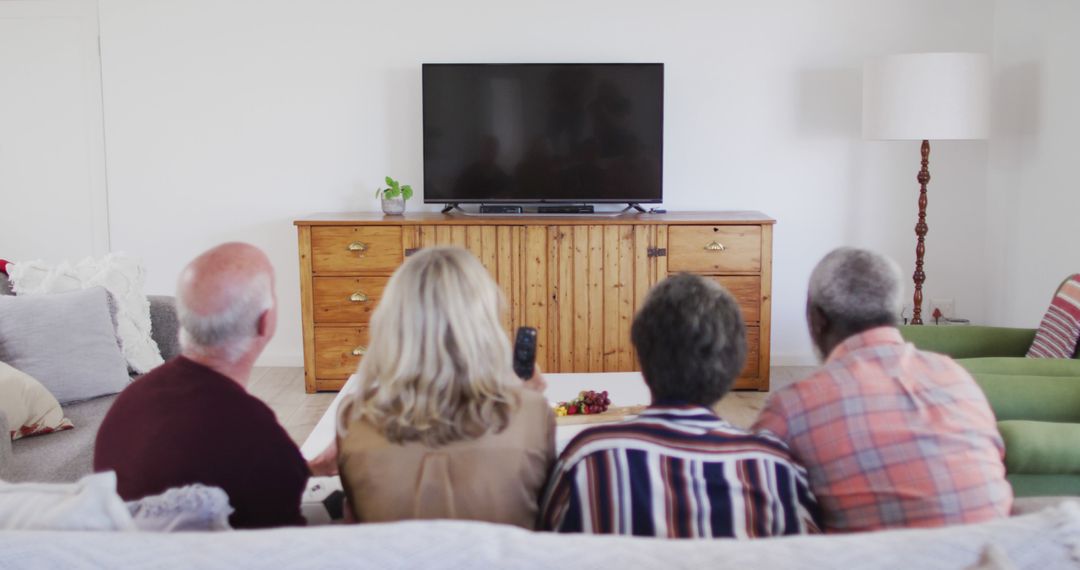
(893, 437)
(678, 472)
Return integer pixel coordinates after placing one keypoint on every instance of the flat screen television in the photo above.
(526, 133)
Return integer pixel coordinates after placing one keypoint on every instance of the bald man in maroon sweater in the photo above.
(191, 420)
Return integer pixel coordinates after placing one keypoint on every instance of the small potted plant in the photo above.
(394, 196)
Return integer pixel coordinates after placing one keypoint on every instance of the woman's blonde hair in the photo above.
(438, 366)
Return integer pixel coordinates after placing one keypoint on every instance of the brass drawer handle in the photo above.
(359, 351)
(715, 246)
(357, 246)
(358, 297)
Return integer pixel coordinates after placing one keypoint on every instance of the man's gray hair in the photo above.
(232, 330)
(856, 287)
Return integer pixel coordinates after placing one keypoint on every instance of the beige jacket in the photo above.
(497, 477)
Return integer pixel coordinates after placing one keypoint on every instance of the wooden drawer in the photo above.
(753, 350)
(347, 299)
(714, 249)
(747, 291)
(348, 249)
(334, 350)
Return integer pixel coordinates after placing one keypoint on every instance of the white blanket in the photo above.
(121, 275)
(90, 504)
(1047, 540)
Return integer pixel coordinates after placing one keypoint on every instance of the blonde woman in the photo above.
(441, 427)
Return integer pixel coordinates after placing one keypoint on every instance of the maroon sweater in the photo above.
(184, 423)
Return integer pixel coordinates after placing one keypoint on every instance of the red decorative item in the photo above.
(3, 266)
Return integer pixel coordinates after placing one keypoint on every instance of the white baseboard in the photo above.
(290, 359)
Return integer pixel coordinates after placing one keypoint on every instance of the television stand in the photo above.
(447, 208)
(634, 206)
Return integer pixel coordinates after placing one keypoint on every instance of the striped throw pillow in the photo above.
(1060, 329)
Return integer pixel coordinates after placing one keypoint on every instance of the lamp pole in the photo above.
(920, 231)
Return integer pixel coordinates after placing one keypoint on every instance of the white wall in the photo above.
(1034, 193)
(226, 120)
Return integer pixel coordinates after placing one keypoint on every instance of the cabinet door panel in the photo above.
(598, 279)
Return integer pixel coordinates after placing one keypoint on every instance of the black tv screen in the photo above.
(543, 132)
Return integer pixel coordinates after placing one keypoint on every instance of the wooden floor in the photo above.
(283, 390)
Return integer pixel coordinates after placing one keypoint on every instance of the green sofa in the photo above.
(1036, 401)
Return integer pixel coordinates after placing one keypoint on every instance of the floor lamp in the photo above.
(926, 96)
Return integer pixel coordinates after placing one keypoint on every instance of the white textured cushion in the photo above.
(90, 504)
(191, 507)
(30, 408)
(65, 341)
(121, 275)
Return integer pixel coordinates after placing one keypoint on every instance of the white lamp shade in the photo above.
(927, 96)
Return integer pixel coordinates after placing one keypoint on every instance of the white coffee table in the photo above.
(623, 388)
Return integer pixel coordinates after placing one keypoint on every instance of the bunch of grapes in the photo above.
(587, 402)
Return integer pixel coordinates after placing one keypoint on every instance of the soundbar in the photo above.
(486, 209)
(579, 209)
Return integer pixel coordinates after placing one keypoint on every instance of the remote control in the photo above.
(525, 352)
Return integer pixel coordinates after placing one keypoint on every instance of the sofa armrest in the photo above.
(165, 325)
(970, 341)
(6, 454)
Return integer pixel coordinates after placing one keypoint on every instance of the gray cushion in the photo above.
(64, 456)
(165, 325)
(66, 341)
(6, 459)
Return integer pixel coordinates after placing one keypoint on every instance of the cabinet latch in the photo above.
(657, 252)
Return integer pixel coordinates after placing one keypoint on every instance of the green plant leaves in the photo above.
(395, 189)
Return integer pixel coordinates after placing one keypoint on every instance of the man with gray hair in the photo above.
(191, 420)
(891, 436)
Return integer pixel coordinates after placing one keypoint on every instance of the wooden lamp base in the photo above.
(920, 232)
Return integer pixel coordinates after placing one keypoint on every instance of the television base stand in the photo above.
(447, 208)
(634, 206)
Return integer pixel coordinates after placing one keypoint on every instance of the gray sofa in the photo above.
(68, 455)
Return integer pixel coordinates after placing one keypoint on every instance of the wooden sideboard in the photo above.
(577, 279)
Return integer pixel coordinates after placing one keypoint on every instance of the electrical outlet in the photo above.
(944, 305)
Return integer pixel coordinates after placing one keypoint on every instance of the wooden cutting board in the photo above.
(613, 414)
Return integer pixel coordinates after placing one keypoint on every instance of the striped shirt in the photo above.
(893, 437)
(678, 472)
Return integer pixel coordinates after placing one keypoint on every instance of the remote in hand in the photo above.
(525, 352)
